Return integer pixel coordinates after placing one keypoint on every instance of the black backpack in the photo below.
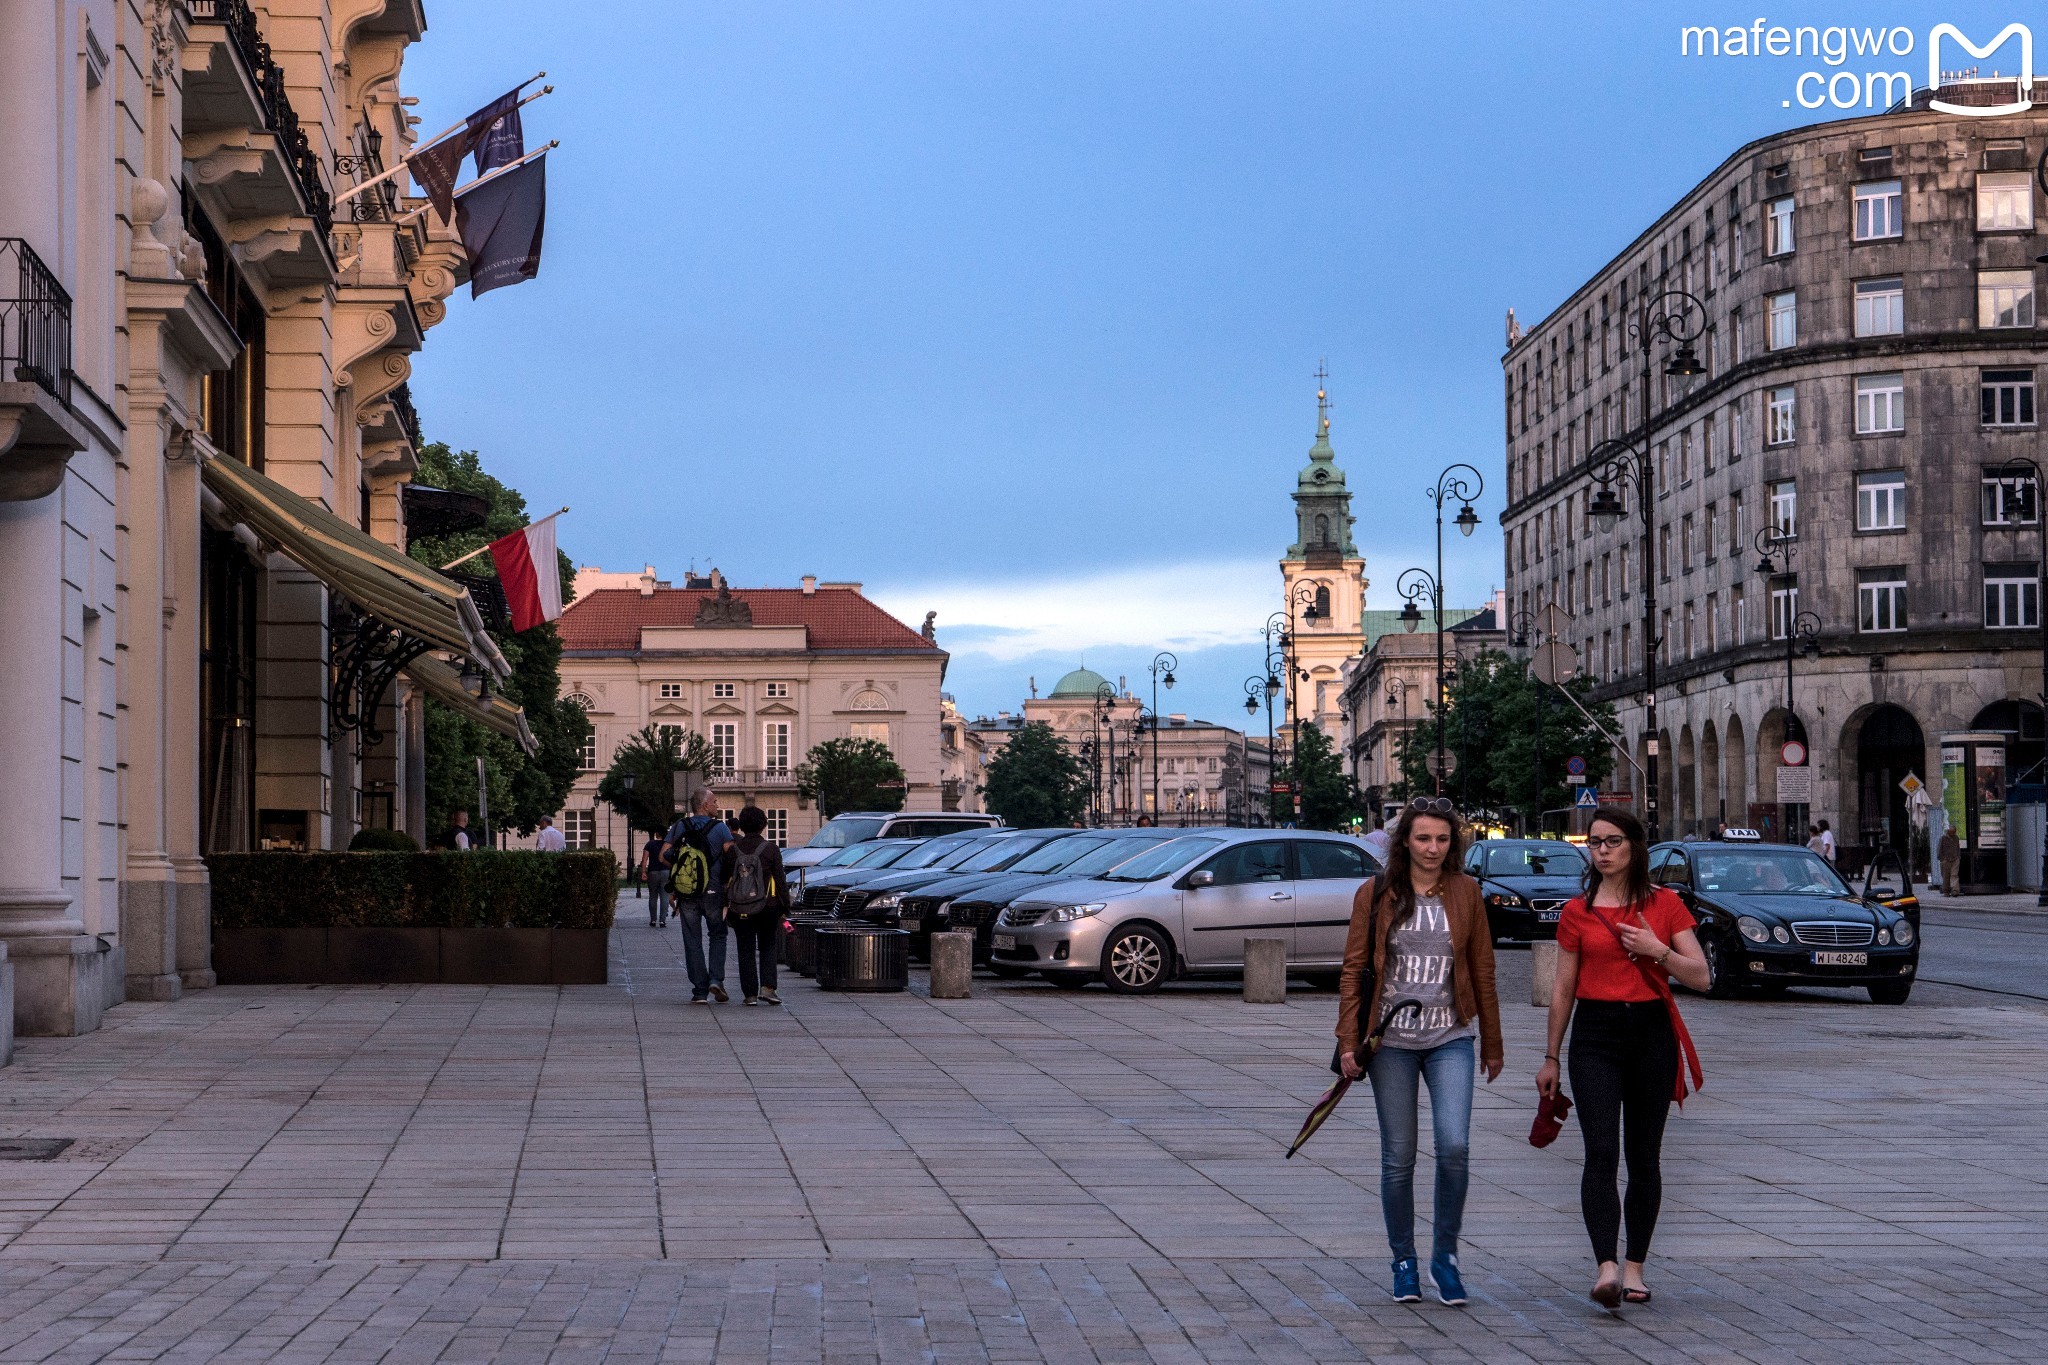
(746, 890)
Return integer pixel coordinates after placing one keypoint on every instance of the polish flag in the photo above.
(530, 574)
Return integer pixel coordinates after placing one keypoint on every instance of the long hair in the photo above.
(1636, 881)
(1398, 881)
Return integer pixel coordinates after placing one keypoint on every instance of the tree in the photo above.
(850, 774)
(652, 758)
(521, 789)
(1329, 796)
(1490, 730)
(1036, 781)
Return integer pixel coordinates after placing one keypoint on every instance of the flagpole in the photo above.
(491, 174)
(439, 137)
(481, 548)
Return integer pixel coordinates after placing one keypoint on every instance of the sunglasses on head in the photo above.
(1431, 805)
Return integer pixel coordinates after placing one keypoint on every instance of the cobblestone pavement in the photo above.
(607, 1173)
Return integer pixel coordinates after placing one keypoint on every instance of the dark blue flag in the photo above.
(499, 139)
(500, 223)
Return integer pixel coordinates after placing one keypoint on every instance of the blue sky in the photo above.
(1011, 310)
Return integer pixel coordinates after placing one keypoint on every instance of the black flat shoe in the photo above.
(1635, 1296)
(1608, 1296)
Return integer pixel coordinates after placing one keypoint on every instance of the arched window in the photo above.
(1322, 603)
(1322, 529)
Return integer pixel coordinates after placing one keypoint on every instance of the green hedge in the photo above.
(484, 889)
(383, 841)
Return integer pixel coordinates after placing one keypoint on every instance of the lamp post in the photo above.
(1105, 725)
(2025, 475)
(1774, 555)
(1416, 583)
(1397, 692)
(1522, 625)
(628, 781)
(1676, 316)
(1162, 666)
(1260, 687)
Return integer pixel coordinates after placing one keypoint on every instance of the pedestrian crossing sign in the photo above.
(1588, 799)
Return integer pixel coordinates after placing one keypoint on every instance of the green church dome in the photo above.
(1082, 682)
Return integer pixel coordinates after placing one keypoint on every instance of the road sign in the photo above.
(1553, 661)
(1793, 754)
(1617, 798)
(1795, 786)
(1588, 799)
(1450, 764)
(1910, 783)
(1282, 788)
(1576, 779)
(1575, 765)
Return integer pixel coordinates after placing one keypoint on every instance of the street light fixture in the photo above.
(1162, 666)
(1415, 583)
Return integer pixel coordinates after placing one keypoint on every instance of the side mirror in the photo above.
(1203, 878)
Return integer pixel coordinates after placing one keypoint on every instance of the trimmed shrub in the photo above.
(484, 889)
(383, 841)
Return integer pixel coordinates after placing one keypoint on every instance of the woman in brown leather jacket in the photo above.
(1419, 933)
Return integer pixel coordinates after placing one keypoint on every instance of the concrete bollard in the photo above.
(1265, 971)
(1543, 971)
(953, 965)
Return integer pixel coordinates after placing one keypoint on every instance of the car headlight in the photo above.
(1504, 900)
(1902, 933)
(1778, 932)
(1073, 912)
(888, 900)
(1753, 929)
(1884, 938)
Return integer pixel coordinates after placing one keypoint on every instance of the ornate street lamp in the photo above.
(1163, 664)
(1522, 631)
(1415, 583)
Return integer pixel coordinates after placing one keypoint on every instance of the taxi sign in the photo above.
(1741, 836)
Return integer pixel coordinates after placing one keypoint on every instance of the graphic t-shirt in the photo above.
(1419, 969)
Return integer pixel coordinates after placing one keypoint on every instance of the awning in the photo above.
(397, 590)
(501, 715)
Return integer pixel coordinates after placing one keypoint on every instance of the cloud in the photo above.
(1190, 605)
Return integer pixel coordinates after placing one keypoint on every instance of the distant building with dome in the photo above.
(1323, 584)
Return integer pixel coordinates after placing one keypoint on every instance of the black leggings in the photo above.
(1623, 1059)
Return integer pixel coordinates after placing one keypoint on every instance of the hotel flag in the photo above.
(500, 218)
(436, 165)
(530, 573)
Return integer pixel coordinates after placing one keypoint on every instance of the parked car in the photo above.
(1185, 908)
(1772, 916)
(845, 865)
(859, 826)
(821, 892)
(1525, 883)
(974, 907)
(881, 901)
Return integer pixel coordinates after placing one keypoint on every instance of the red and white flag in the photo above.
(530, 574)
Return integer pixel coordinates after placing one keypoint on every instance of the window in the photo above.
(776, 689)
(1779, 413)
(2005, 298)
(1321, 860)
(876, 730)
(2007, 398)
(1735, 233)
(579, 828)
(1880, 403)
(1778, 227)
(1685, 543)
(725, 747)
(726, 690)
(1707, 443)
(1878, 213)
(2005, 202)
(2012, 598)
(586, 754)
(1713, 622)
(1606, 580)
(777, 832)
(1739, 427)
(1691, 621)
(672, 734)
(1785, 507)
(1738, 630)
(1782, 315)
(1881, 501)
(670, 691)
(1880, 307)
(1784, 606)
(2008, 499)
(1664, 552)
(1712, 526)
(1248, 864)
(1685, 456)
(1881, 601)
(775, 747)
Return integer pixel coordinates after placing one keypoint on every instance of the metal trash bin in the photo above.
(862, 958)
(803, 942)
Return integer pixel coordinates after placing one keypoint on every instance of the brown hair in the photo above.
(1398, 881)
(1636, 881)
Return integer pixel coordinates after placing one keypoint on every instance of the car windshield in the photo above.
(1548, 859)
(1795, 871)
(1148, 867)
(842, 830)
(845, 857)
(1002, 852)
(1057, 854)
(1102, 857)
(888, 854)
(938, 850)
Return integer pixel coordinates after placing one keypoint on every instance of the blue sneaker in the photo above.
(1443, 1268)
(1407, 1283)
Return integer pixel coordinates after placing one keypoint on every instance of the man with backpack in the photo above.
(756, 898)
(691, 854)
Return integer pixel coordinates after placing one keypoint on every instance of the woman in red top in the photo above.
(1625, 1053)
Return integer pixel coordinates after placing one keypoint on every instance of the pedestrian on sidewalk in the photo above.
(550, 839)
(1950, 851)
(657, 882)
(756, 898)
(691, 853)
(1419, 931)
(1616, 943)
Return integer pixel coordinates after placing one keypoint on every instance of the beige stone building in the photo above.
(962, 758)
(1387, 690)
(764, 674)
(213, 639)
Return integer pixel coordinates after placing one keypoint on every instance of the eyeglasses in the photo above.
(1431, 805)
(1607, 842)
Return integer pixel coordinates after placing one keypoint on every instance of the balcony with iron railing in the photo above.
(38, 431)
(408, 415)
(754, 779)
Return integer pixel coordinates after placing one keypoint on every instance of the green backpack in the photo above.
(690, 872)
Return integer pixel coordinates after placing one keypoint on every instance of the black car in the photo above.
(1772, 916)
(819, 890)
(1083, 853)
(880, 901)
(1525, 883)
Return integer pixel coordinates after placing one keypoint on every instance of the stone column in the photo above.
(1265, 971)
(952, 965)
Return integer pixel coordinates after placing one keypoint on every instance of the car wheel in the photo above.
(1135, 959)
(1008, 972)
(1721, 984)
(1068, 981)
(1891, 993)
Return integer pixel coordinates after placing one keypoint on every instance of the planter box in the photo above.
(582, 956)
(269, 957)
(496, 957)
(363, 957)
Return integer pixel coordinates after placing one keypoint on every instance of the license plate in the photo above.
(1841, 959)
(1005, 940)
(913, 924)
(1546, 916)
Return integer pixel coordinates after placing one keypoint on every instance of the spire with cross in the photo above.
(1322, 397)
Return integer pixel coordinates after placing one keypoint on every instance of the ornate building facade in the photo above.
(1323, 583)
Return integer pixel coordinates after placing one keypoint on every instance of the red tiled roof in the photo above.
(836, 618)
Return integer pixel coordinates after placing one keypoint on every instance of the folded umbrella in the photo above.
(1327, 1105)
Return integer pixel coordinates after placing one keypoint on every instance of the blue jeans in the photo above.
(699, 915)
(1450, 1071)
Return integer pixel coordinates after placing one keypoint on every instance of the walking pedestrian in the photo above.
(690, 852)
(1616, 943)
(458, 836)
(756, 898)
(1827, 843)
(1814, 842)
(657, 882)
(550, 839)
(1950, 851)
(1419, 931)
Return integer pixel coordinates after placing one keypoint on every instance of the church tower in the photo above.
(1323, 579)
